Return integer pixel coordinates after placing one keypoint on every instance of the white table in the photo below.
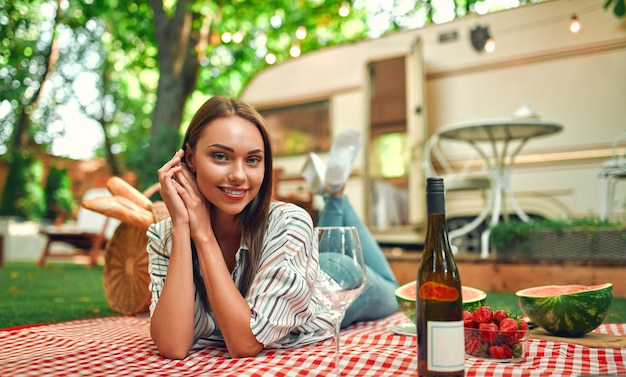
(498, 142)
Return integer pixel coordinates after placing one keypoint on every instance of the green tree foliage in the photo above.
(619, 7)
(148, 64)
(58, 193)
(23, 195)
(23, 50)
(213, 48)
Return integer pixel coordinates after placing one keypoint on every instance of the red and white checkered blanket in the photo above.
(121, 346)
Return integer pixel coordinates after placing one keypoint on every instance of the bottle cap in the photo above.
(435, 196)
(434, 184)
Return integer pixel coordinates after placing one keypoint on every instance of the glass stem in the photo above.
(338, 319)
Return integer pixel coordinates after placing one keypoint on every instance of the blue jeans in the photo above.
(377, 300)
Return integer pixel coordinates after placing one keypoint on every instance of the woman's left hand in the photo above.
(198, 208)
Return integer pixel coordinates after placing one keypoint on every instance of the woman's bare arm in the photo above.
(172, 323)
(230, 309)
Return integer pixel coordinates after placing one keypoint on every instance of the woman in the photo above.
(229, 265)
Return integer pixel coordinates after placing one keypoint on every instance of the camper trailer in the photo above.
(401, 89)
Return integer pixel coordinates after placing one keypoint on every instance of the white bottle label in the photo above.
(446, 348)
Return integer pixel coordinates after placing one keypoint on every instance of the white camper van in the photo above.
(401, 89)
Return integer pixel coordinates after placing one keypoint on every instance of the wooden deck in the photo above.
(492, 275)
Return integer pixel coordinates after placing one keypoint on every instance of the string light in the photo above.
(479, 36)
(344, 9)
(294, 51)
(261, 40)
(574, 25)
(227, 37)
(301, 32)
(270, 58)
(238, 37)
(490, 45)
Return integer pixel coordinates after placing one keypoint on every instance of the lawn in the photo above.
(54, 293)
(61, 292)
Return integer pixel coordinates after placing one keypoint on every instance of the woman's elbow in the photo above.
(171, 347)
(246, 351)
(169, 351)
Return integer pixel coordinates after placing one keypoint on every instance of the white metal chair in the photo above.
(611, 171)
(458, 176)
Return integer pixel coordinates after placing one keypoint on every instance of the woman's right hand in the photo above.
(170, 188)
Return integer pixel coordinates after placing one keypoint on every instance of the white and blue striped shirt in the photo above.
(284, 313)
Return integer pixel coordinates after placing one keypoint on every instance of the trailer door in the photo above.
(417, 132)
(396, 117)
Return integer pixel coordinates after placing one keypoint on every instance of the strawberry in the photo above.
(472, 346)
(484, 314)
(508, 329)
(494, 335)
(523, 327)
(496, 352)
(507, 351)
(470, 333)
(499, 315)
(488, 331)
(476, 348)
(468, 321)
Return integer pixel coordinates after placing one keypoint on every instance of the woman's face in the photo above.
(228, 161)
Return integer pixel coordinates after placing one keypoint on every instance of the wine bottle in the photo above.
(440, 335)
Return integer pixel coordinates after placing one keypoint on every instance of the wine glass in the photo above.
(340, 271)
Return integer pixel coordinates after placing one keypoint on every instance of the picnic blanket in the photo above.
(121, 346)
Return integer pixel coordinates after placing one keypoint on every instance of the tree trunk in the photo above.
(178, 66)
(110, 157)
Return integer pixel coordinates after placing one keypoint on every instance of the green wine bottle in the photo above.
(440, 335)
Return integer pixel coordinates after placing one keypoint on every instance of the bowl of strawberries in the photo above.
(495, 335)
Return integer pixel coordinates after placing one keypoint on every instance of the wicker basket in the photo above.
(126, 276)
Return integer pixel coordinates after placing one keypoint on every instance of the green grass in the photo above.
(61, 292)
(54, 293)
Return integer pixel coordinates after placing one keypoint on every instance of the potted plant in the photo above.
(23, 196)
(582, 239)
(60, 202)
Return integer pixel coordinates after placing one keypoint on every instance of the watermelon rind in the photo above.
(478, 298)
(572, 313)
(406, 303)
(406, 295)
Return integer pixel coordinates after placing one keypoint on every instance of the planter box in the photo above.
(21, 239)
(572, 245)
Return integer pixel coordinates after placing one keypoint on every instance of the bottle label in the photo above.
(446, 349)
(431, 290)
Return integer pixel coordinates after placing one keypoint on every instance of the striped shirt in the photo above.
(284, 313)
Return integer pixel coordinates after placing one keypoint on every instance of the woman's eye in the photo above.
(254, 160)
(220, 157)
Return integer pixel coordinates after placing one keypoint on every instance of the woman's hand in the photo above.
(169, 175)
(183, 194)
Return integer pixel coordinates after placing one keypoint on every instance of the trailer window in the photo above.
(299, 129)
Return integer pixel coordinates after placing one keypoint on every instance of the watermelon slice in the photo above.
(567, 310)
(472, 298)
(406, 294)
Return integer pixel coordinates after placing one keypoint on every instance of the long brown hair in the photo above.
(253, 219)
